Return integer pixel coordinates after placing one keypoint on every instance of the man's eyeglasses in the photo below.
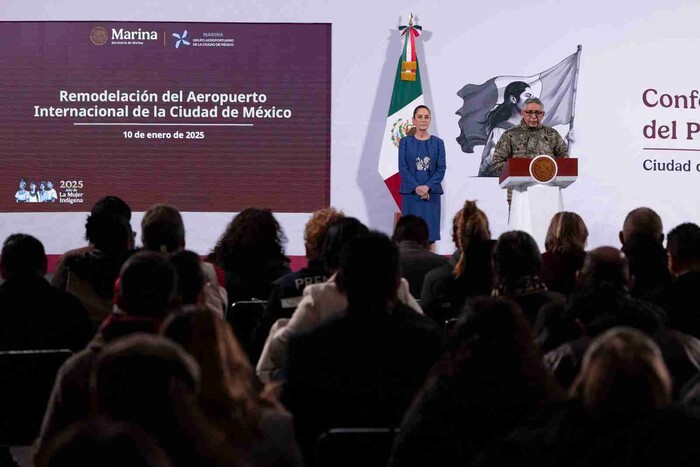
(536, 113)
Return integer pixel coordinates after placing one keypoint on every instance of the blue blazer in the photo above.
(408, 151)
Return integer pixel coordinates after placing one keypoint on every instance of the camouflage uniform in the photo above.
(523, 141)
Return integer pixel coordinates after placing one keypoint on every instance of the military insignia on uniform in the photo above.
(543, 169)
(400, 129)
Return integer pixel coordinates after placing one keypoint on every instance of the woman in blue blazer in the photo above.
(422, 167)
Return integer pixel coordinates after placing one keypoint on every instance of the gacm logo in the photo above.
(181, 39)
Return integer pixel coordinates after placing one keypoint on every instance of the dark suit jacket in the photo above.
(443, 295)
(358, 371)
(680, 302)
(416, 262)
(35, 316)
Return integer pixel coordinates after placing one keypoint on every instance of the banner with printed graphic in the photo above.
(205, 116)
(491, 108)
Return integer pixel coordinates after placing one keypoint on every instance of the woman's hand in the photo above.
(422, 191)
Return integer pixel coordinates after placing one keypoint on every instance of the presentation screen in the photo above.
(209, 117)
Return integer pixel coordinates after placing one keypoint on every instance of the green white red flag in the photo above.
(406, 95)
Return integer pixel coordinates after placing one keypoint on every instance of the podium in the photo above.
(537, 185)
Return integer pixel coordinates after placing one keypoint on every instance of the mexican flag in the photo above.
(407, 94)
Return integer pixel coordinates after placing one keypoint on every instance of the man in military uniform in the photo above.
(529, 139)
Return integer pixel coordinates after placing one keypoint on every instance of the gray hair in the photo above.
(533, 100)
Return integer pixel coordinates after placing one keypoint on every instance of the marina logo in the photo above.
(135, 35)
(98, 35)
(181, 39)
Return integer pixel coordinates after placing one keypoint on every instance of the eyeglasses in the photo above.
(533, 113)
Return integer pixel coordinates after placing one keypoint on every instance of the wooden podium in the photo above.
(537, 195)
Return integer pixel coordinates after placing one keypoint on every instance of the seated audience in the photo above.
(679, 298)
(147, 287)
(446, 289)
(259, 429)
(34, 314)
(517, 263)
(600, 302)
(619, 415)
(287, 290)
(163, 401)
(489, 379)
(90, 276)
(107, 206)
(642, 242)
(363, 368)
(565, 246)
(321, 302)
(102, 443)
(163, 231)
(251, 253)
(411, 235)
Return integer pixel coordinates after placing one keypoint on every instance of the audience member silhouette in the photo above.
(287, 291)
(619, 415)
(445, 290)
(90, 276)
(517, 263)
(642, 242)
(565, 245)
(490, 378)
(34, 314)
(163, 402)
(363, 368)
(109, 205)
(146, 292)
(600, 302)
(163, 231)
(258, 428)
(321, 303)
(251, 253)
(191, 280)
(680, 298)
(416, 260)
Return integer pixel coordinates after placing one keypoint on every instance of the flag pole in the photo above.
(573, 94)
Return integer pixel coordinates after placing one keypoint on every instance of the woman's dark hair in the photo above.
(516, 255)
(502, 111)
(109, 205)
(254, 235)
(567, 233)
(415, 111)
(109, 233)
(339, 234)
